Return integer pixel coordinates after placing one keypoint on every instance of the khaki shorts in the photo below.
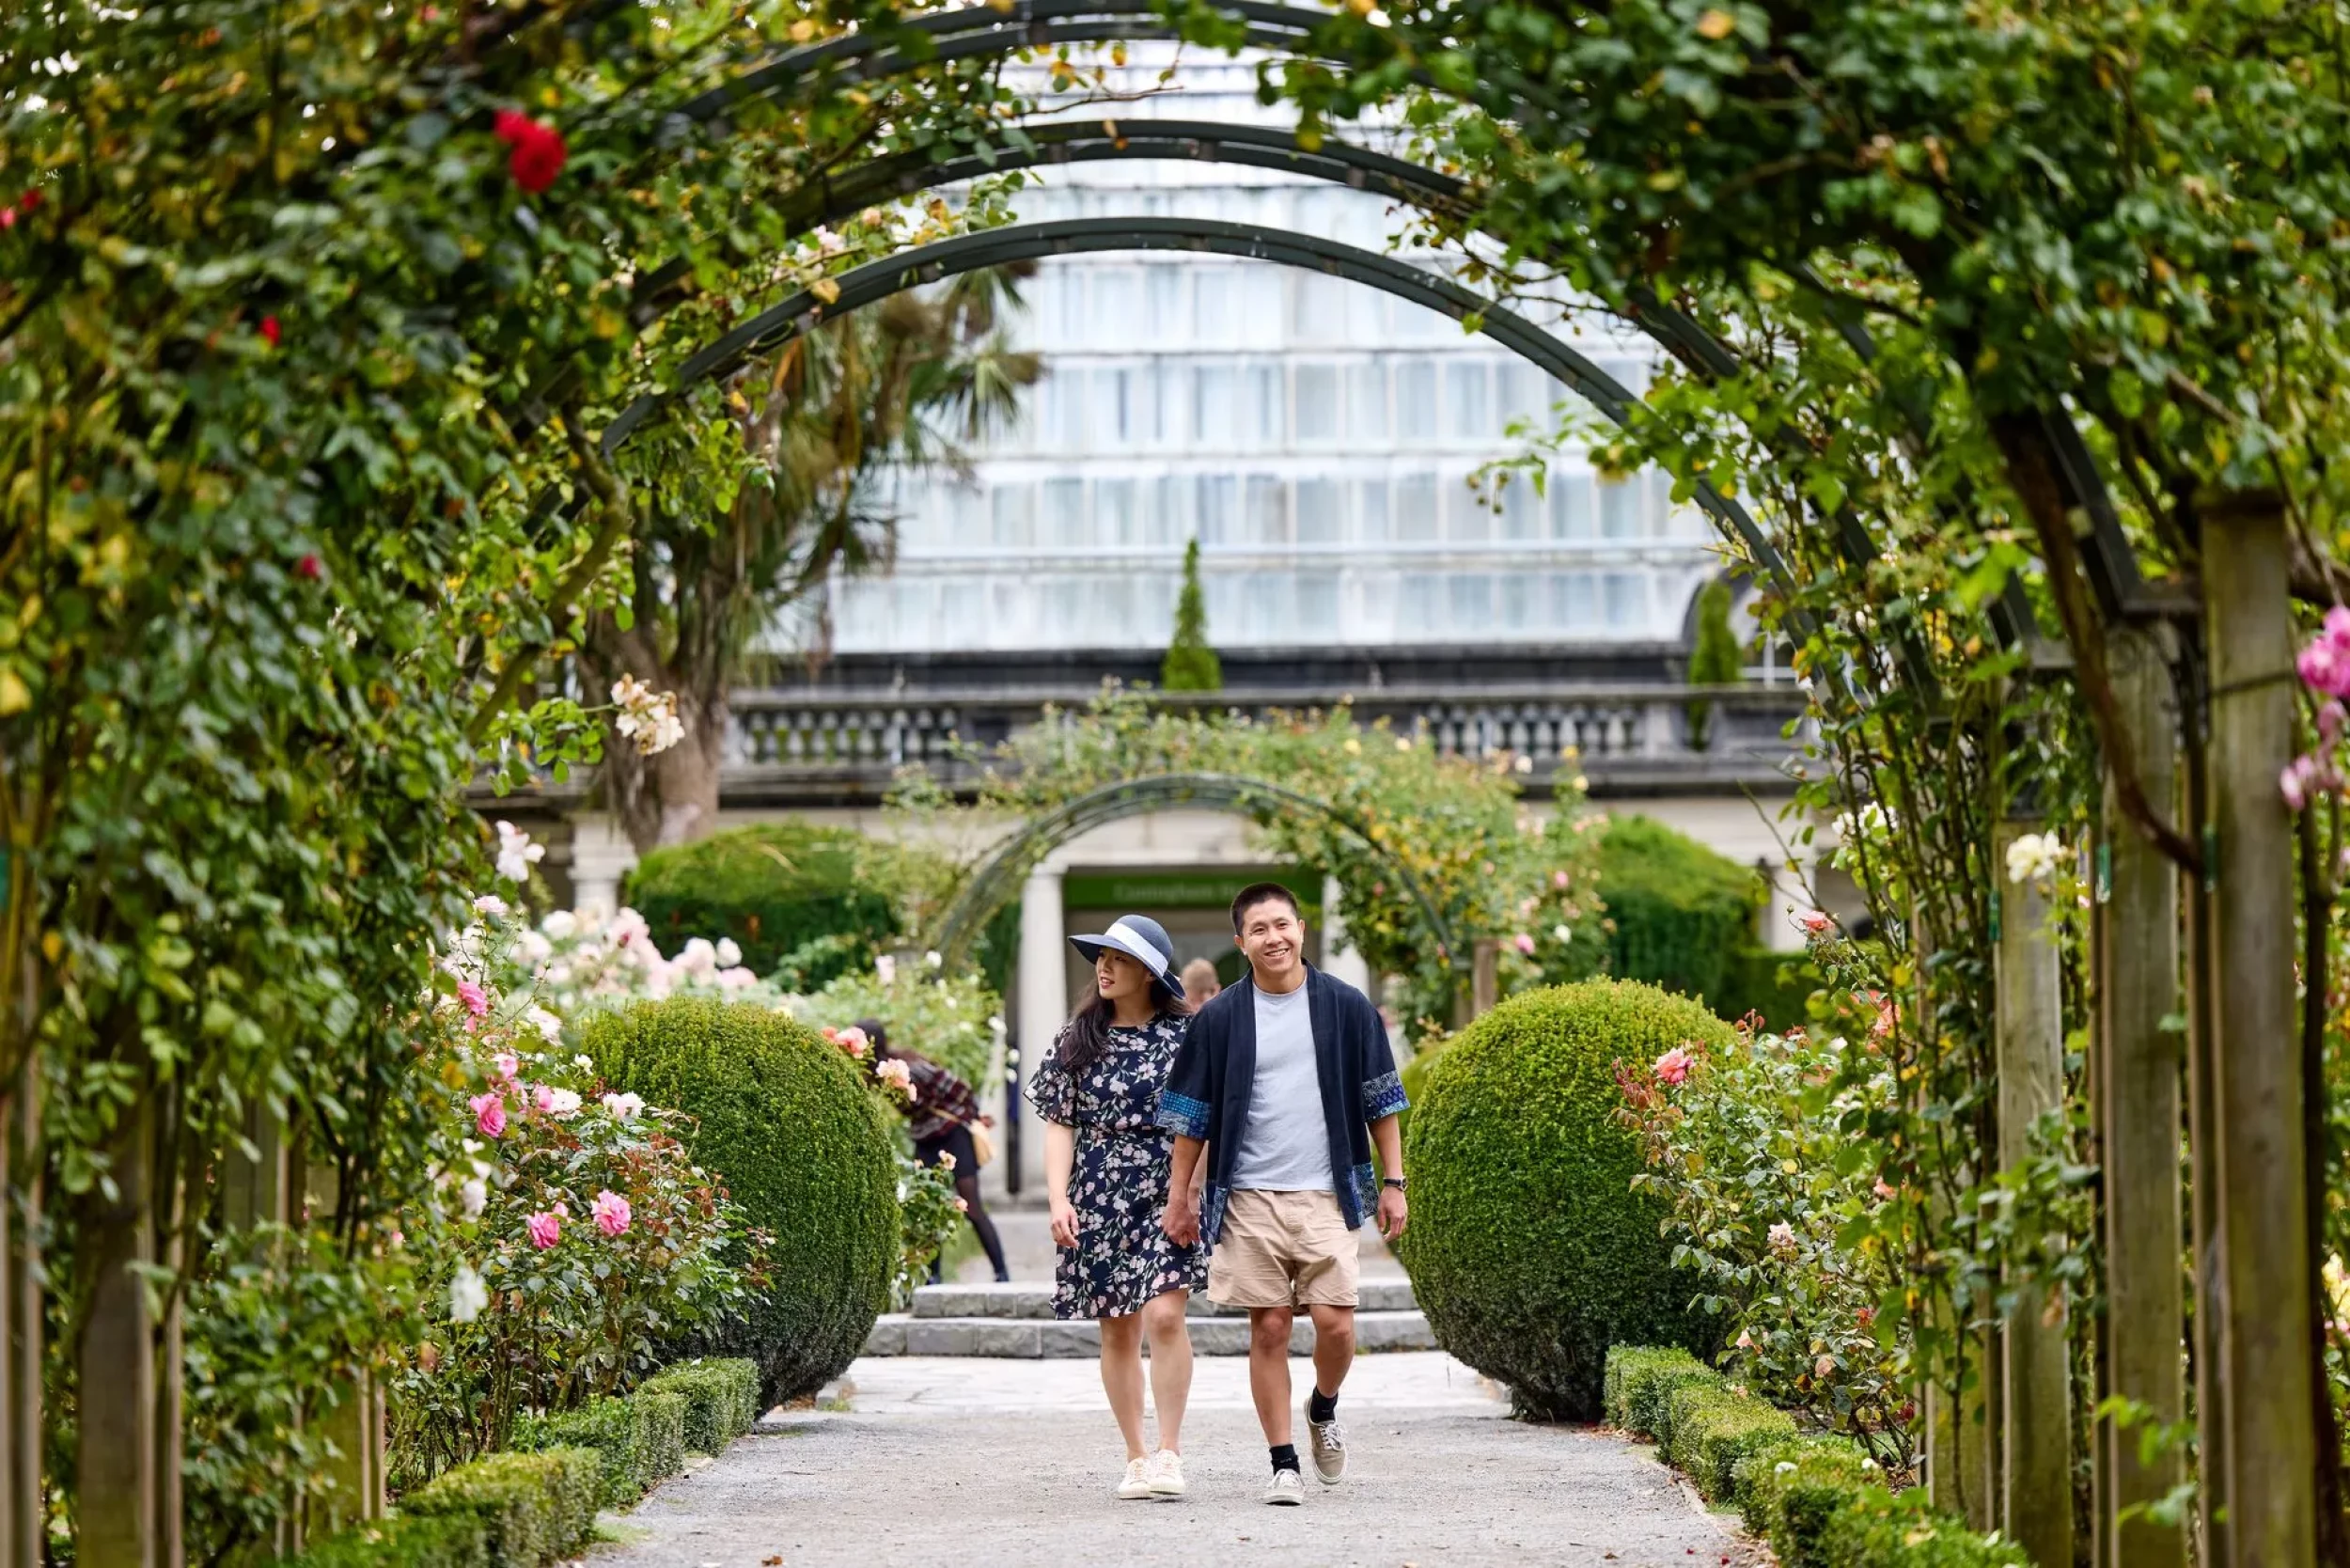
(1283, 1249)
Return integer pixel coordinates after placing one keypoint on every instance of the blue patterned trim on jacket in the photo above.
(1366, 1191)
(1183, 1115)
(1212, 1206)
(1383, 1097)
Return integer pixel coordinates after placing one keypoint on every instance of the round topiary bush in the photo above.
(785, 1121)
(1527, 1248)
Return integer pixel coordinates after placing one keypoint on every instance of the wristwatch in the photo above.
(1395, 1181)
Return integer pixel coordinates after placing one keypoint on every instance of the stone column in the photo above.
(602, 855)
(1339, 960)
(1044, 984)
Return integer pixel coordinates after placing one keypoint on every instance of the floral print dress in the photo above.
(1117, 1183)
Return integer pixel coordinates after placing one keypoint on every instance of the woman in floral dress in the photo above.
(1106, 1170)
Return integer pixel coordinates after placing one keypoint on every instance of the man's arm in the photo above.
(1182, 1219)
(1387, 1138)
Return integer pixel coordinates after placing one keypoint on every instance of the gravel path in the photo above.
(998, 1463)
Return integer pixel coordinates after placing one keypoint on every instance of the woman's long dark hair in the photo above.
(1086, 1040)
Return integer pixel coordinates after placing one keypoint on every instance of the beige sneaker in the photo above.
(1328, 1441)
(1135, 1486)
(1287, 1488)
(1164, 1474)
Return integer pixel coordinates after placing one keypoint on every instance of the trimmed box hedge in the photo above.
(532, 1507)
(1821, 1502)
(640, 1439)
(721, 1399)
(1529, 1251)
(404, 1541)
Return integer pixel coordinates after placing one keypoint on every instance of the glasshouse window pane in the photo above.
(967, 517)
(1522, 509)
(1172, 520)
(1518, 597)
(1321, 519)
(1115, 428)
(1269, 598)
(1214, 500)
(1578, 601)
(1317, 606)
(959, 616)
(1319, 305)
(1526, 396)
(1317, 402)
(1620, 509)
(1064, 512)
(1070, 322)
(1415, 611)
(1468, 517)
(1213, 305)
(1267, 412)
(1416, 400)
(1627, 600)
(1168, 405)
(1268, 510)
(1116, 303)
(1416, 514)
(1163, 316)
(1570, 505)
(1067, 432)
(1114, 511)
(1367, 314)
(1372, 501)
(1468, 403)
(1213, 421)
(1014, 515)
(1263, 303)
(1366, 401)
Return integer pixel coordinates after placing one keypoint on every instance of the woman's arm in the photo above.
(1060, 1157)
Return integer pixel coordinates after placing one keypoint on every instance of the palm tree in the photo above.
(906, 384)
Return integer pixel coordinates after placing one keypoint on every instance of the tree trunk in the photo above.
(683, 803)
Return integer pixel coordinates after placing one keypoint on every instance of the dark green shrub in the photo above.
(532, 1507)
(786, 1122)
(660, 1433)
(1714, 659)
(1689, 921)
(640, 1439)
(1787, 1493)
(721, 1399)
(776, 888)
(1714, 1429)
(1636, 1379)
(404, 1541)
(1880, 1529)
(1528, 1249)
(1191, 663)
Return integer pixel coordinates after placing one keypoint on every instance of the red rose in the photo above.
(29, 200)
(7, 217)
(309, 567)
(270, 332)
(538, 150)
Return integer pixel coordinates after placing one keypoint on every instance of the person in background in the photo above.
(941, 1116)
(1199, 984)
(1106, 1172)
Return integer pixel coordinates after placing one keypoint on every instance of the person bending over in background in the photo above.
(941, 1116)
(1105, 1164)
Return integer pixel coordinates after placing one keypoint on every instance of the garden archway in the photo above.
(998, 880)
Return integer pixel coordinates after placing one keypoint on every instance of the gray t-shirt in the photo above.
(1286, 1145)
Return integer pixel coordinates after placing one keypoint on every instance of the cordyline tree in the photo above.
(1924, 232)
(903, 385)
(310, 314)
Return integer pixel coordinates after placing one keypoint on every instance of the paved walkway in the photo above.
(992, 1463)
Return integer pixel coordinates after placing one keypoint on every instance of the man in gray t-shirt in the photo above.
(1285, 1146)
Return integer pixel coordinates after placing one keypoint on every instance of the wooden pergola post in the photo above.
(2260, 1374)
(2139, 1048)
(115, 1480)
(2035, 1415)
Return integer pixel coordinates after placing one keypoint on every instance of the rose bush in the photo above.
(952, 1019)
(1744, 1143)
(568, 1238)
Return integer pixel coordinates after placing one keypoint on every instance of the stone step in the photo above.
(1384, 1294)
(905, 1334)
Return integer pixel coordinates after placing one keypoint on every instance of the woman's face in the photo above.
(1118, 978)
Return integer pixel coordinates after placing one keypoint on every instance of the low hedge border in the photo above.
(536, 1503)
(1821, 1502)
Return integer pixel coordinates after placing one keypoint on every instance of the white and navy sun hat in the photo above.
(1142, 939)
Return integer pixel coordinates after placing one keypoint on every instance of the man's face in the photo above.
(1273, 938)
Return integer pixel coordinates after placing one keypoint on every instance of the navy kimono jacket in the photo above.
(1207, 1089)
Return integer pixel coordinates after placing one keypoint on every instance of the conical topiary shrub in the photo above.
(1191, 665)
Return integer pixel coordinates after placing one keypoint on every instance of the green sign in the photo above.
(1146, 890)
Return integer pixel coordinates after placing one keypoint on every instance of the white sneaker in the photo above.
(1287, 1487)
(1164, 1474)
(1328, 1441)
(1134, 1486)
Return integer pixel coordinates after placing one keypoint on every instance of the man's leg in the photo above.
(1269, 1371)
(1334, 1347)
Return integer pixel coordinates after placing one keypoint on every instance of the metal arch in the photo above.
(1013, 243)
(997, 881)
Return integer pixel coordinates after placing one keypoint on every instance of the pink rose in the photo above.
(1824, 1367)
(489, 1113)
(507, 1064)
(1745, 1339)
(476, 999)
(1673, 1066)
(611, 1212)
(1559, 880)
(1524, 944)
(1818, 922)
(545, 1230)
(1884, 1188)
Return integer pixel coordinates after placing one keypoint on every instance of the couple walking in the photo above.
(1229, 1148)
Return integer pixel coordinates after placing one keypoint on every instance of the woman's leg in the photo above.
(1170, 1363)
(967, 1188)
(1121, 1377)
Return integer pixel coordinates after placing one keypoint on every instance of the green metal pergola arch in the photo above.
(998, 880)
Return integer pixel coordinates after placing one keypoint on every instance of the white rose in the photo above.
(698, 957)
(475, 1197)
(560, 924)
(729, 954)
(624, 1107)
(467, 1294)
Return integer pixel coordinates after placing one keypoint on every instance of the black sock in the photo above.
(1285, 1456)
(1321, 1406)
